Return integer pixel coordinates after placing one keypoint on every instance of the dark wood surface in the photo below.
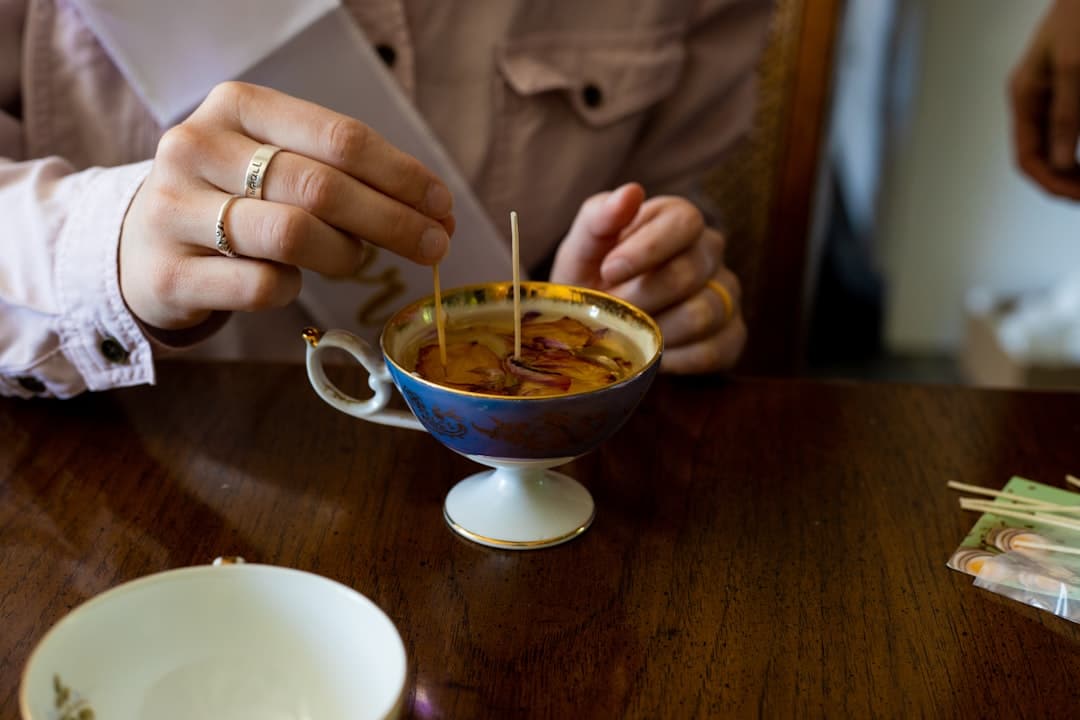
(762, 547)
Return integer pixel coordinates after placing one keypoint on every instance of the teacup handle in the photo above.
(382, 384)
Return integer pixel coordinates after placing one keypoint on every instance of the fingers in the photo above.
(333, 139)
(355, 208)
(677, 279)
(1056, 183)
(596, 230)
(334, 184)
(331, 166)
(278, 232)
(702, 315)
(338, 200)
(218, 283)
(1044, 98)
(1064, 116)
(663, 262)
(1029, 119)
(712, 354)
(606, 214)
(326, 193)
(664, 228)
(1028, 100)
(701, 335)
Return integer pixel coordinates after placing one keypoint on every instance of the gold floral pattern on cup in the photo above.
(69, 705)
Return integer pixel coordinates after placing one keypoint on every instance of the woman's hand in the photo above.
(659, 255)
(1044, 93)
(334, 185)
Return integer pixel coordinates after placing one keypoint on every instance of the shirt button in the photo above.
(592, 95)
(113, 351)
(31, 384)
(387, 53)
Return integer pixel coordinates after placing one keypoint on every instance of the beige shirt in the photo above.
(540, 104)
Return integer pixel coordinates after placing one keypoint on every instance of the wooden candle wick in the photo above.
(514, 253)
(440, 318)
(1015, 513)
(1019, 501)
(1065, 549)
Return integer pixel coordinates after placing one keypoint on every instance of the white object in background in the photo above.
(1041, 327)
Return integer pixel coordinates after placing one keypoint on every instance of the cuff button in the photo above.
(113, 351)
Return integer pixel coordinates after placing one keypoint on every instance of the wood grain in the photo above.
(762, 547)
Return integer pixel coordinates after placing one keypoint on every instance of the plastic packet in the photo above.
(1044, 579)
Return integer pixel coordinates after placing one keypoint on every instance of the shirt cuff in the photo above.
(98, 333)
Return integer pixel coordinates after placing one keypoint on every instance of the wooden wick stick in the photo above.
(978, 490)
(1046, 546)
(515, 255)
(1072, 480)
(1015, 513)
(440, 319)
(1063, 509)
(1022, 503)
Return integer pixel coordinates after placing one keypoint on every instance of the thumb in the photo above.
(594, 233)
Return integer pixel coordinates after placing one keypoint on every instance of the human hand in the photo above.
(1044, 93)
(659, 255)
(334, 185)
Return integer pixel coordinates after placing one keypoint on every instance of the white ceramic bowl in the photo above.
(224, 642)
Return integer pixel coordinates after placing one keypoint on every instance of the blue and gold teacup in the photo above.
(522, 503)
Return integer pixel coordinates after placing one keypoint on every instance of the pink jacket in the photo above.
(605, 91)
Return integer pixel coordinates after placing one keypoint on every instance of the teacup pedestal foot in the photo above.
(520, 505)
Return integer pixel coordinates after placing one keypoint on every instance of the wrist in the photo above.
(167, 340)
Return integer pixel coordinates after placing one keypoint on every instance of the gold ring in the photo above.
(725, 297)
(256, 170)
(222, 240)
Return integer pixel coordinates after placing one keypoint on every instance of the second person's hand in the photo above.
(1044, 95)
(659, 255)
(334, 184)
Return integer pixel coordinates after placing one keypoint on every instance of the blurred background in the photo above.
(925, 254)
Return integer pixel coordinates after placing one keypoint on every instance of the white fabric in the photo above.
(206, 42)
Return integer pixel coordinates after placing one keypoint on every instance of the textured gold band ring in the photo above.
(725, 297)
(222, 240)
(256, 170)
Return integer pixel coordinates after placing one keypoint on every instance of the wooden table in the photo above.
(761, 547)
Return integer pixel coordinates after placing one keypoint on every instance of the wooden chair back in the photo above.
(766, 189)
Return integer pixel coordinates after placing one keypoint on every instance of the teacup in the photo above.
(521, 504)
(237, 641)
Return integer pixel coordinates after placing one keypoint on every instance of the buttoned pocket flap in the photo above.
(605, 80)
